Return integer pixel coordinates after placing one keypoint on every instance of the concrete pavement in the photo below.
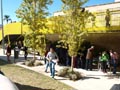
(93, 80)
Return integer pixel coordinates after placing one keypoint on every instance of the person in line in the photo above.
(110, 59)
(8, 52)
(99, 62)
(46, 61)
(114, 61)
(25, 52)
(89, 58)
(16, 53)
(104, 60)
(53, 59)
(67, 59)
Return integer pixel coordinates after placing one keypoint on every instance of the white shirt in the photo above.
(51, 55)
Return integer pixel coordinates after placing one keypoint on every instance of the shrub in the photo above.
(29, 62)
(79, 75)
(63, 72)
(37, 63)
(73, 76)
(68, 73)
(32, 63)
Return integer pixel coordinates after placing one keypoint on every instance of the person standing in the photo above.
(53, 59)
(89, 58)
(104, 60)
(46, 61)
(114, 61)
(25, 52)
(16, 53)
(8, 52)
(107, 18)
(100, 61)
(67, 59)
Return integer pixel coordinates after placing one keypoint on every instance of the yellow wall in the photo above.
(18, 28)
(12, 29)
(99, 26)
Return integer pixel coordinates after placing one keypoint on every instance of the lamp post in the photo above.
(2, 28)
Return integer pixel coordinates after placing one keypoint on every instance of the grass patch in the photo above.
(29, 80)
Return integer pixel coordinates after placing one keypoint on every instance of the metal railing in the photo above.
(101, 22)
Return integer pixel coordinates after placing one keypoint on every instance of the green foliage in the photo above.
(7, 18)
(33, 13)
(68, 73)
(29, 63)
(57, 23)
(37, 63)
(39, 40)
(74, 24)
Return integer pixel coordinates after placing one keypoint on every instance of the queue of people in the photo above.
(106, 60)
(17, 48)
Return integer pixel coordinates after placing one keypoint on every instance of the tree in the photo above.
(74, 27)
(56, 24)
(33, 13)
(7, 18)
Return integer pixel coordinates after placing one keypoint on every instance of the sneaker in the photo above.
(45, 71)
(53, 77)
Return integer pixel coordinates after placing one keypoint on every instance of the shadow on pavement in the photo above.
(20, 59)
(62, 79)
(27, 87)
(3, 62)
(84, 78)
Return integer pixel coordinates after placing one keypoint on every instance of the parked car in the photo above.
(6, 84)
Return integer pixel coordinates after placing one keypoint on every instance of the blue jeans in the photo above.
(52, 69)
(67, 61)
(88, 64)
(114, 66)
(47, 65)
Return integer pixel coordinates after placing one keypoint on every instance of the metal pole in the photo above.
(2, 28)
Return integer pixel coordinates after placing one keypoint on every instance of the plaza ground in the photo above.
(92, 80)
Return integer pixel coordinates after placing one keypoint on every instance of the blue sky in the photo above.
(10, 6)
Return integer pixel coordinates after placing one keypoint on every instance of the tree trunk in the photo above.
(34, 5)
(72, 63)
(34, 47)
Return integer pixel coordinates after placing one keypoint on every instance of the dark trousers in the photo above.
(89, 64)
(114, 66)
(25, 56)
(104, 66)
